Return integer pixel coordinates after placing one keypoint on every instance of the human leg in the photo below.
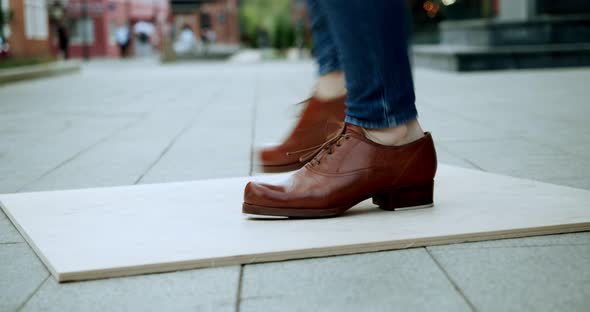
(323, 112)
(381, 152)
(330, 82)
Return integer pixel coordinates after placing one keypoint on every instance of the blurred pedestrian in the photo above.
(186, 41)
(211, 35)
(63, 39)
(4, 48)
(358, 136)
(206, 39)
(262, 38)
(144, 32)
(122, 38)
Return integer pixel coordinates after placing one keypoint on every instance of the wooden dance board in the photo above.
(117, 231)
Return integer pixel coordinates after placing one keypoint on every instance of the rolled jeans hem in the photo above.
(398, 120)
(328, 68)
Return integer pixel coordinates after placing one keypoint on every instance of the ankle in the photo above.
(398, 135)
(330, 86)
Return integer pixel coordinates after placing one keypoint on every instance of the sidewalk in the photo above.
(120, 123)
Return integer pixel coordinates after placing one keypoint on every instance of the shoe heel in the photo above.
(418, 196)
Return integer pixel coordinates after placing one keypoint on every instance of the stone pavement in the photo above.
(120, 123)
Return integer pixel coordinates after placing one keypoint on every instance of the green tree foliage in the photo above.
(270, 16)
(284, 33)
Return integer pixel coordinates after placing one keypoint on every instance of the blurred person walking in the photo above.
(122, 38)
(144, 32)
(63, 39)
(186, 42)
(208, 37)
(359, 136)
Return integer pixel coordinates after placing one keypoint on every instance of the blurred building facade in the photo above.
(91, 24)
(25, 25)
(30, 26)
(218, 18)
(515, 34)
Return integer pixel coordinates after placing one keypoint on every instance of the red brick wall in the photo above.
(20, 46)
(227, 31)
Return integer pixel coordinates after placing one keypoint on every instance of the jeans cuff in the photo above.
(394, 121)
(328, 68)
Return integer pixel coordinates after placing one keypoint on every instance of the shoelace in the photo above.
(297, 105)
(328, 146)
(314, 148)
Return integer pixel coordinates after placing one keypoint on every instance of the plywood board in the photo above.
(105, 232)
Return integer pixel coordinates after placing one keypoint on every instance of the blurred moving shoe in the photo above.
(348, 169)
(321, 119)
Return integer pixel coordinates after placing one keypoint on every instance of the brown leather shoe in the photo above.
(349, 169)
(320, 121)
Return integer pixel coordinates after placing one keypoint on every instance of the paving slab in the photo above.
(40, 155)
(197, 290)
(580, 182)
(221, 130)
(456, 108)
(554, 113)
(8, 233)
(276, 99)
(573, 239)
(21, 273)
(406, 280)
(569, 138)
(445, 157)
(446, 125)
(137, 148)
(522, 158)
(548, 278)
(185, 159)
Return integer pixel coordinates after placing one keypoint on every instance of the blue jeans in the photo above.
(367, 39)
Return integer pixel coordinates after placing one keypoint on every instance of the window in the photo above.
(4, 25)
(36, 24)
(205, 20)
(82, 31)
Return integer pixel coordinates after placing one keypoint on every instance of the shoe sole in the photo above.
(398, 198)
(291, 212)
(261, 211)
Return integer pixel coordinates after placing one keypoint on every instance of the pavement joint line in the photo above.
(485, 122)
(79, 153)
(479, 140)
(22, 305)
(515, 138)
(11, 243)
(239, 290)
(511, 247)
(188, 126)
(254, 116)
(555, 148)
(457, 114)
(450, 279)
(476, 166)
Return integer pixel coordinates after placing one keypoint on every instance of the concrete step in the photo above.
(39, 71)
(497, 32)
(474, 58)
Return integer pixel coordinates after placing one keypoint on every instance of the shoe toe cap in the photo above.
(262, 194)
